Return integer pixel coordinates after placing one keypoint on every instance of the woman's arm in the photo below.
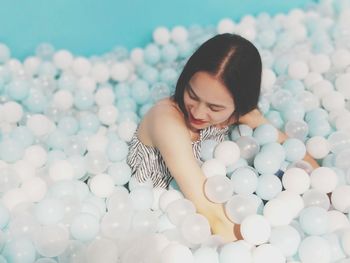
(254, 119)
(170, 135)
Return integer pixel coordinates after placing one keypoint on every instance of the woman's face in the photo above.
(207, 101)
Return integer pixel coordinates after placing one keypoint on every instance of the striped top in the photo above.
(147, 163)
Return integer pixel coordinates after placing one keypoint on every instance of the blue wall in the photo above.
(88, 27)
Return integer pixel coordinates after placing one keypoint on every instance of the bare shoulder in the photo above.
(163, 121)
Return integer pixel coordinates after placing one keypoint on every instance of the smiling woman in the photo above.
(219, 84)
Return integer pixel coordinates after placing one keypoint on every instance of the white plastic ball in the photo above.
(298, 70)
(161, 35)
(174, 253)
(226, 25)
(97, 143)
(318, 147)
(136, 56)
(213, 167)
(102, 185)
(126, 130)
(12, 112)
(120, 72)
(100, 72)
(61, 170)
(337, 221)
(341, 198)
(108, 114)
(104, 96)
(296, 180)
(81, 66)
(333, 100)
(255, 229)
(268, 79)
(179, 34)
(63, 59)
(320, 63)
(324, 179)
(345, 240)
(31, 65)
(63, 100)
(277, 212)
(14, 197)
(227, 152)
(168, 197)
(40, 125)
(341, 58)
(36, 155)
(35, 188)
(87, 84)
(268, 253)
(24, 169)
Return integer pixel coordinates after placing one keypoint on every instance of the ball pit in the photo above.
(67, 194)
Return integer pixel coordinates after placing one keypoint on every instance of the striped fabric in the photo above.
(147, 163)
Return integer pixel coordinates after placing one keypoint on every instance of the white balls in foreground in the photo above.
(14, 197)
(40, 125)
(35, 188)
(268, 253)
(268, 79)
(161, 35)
(227, 152)
(277, 212)
(293, 201)
(255, 229)
(63, 59)
(36, 155)
(341, 198)
(120, 71)
(298, 70)
(341, 58)
(104, 96)
(136, 55)
(63, 100)
(12, 112)
(333, 100)
(102, 185)
(324, 179)
(318, 147)
(126, 130)
(175, 253)
(100, 72)
(179, 34)
(296, 180)
(168, 197)
(61, 170)
(213, 167)
(314, 249)
(108, 114)
(81, 66)
(320, 63)
(225, 25)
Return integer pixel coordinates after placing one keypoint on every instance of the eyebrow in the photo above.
(209, 104)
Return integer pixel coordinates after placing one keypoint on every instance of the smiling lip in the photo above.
(195, 121)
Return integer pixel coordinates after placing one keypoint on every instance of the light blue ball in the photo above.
(117, 151)
(11, 150)
(244, 180)
(169, 53)
(36, 102)
(140, 91)
(269, 186)
(83, 100)
(57, 140)
(18, 89)
(207, 149)
(286, 238)
(276, 149)
(23, 135)
(319, 128)
(241, 130)
(295, 149)
(314, 220)
(316, 114)
(275, 119)
(126, 104)
(150, 74)
(293, 111)
(55, 155)
(185, 49)
(84, 227)
(61, 189)
(89, 123)
(4, 216)
(263, 105)
(19, 250)
(168, 75)
(329, 160)
(294, 86)
(266, 163)
(281, 64)
(49, 211)
(122, 90)
(151, 54)
(69, 125)
(265, 133)
(120, 172)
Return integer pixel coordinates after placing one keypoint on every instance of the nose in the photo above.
(199, 112)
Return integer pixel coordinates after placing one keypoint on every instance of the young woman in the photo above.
(219, 86)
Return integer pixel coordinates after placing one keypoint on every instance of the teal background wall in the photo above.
(87, 27)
